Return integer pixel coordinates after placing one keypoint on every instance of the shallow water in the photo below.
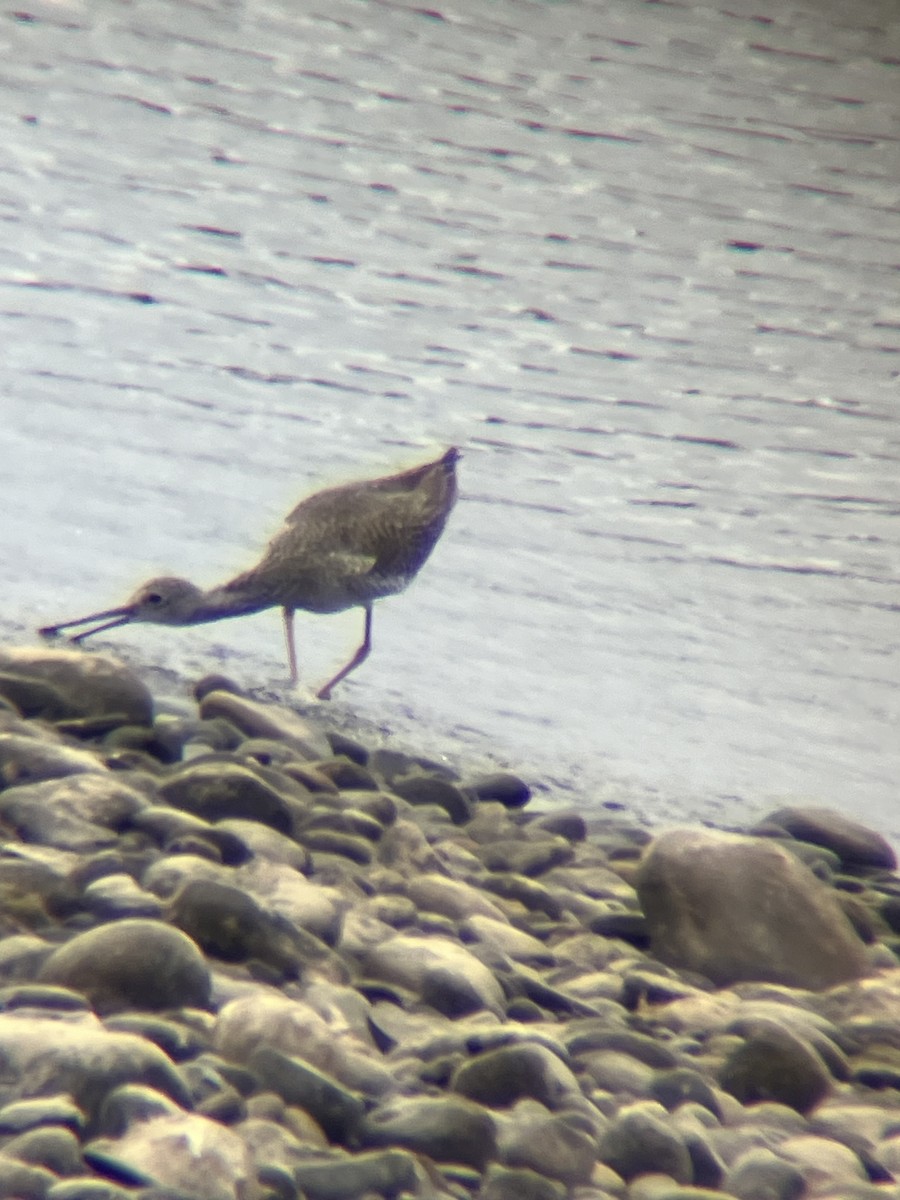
(639, 262)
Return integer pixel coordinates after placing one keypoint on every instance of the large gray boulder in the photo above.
(68, 683)
(740, 908)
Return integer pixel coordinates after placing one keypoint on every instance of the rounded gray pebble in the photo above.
(81, 813)
(853, 843)
(426, 789)
(775, 1064)
(570, 825)
(333, 841)
(446, 1128)
(118, 896)
(500, 1077)
(639, 1142)
(519, 1183)
(28, 760)
(58, 999)
(54, 1147)
(528, 858)
(508, 789)
(22, 1115)
(24, 1181)
(131, 964)
(683, 1085)
(762, 1175)
(385, 1172)
(338, 1110)
(90, 1188)
(132, 1102)
(177, 1040)
(347, 775)
(218, 790)
(552, 1144)
(229, 924)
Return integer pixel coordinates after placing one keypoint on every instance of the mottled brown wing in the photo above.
(435, 482)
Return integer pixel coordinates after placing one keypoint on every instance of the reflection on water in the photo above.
(640, 263)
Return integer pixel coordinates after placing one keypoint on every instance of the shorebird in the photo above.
(341, 548)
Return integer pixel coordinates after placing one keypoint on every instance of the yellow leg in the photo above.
(324, 693)
(288, 614)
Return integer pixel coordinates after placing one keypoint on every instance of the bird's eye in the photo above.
(153, 598)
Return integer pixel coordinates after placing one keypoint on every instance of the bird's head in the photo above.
(163, 601)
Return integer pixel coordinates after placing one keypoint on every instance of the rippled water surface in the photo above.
(640, 261)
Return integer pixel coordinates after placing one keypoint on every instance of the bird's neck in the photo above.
(234, 599)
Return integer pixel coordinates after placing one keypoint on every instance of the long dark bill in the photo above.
(120, 616)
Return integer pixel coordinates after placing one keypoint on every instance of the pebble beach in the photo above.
(246, 956)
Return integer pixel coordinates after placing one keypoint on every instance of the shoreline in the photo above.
(246, 957)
